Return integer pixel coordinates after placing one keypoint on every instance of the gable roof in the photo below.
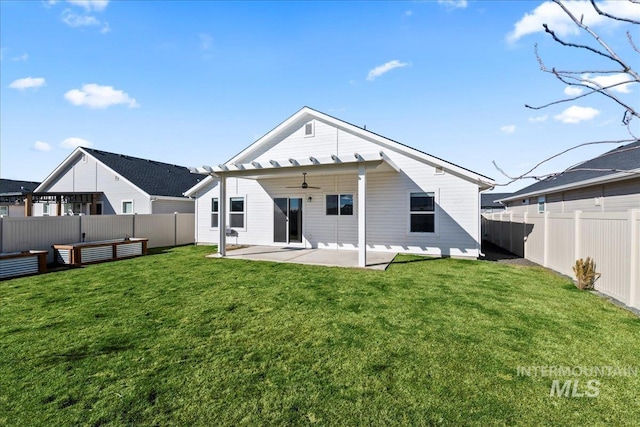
(618, 164)
(490, 200)
(153, 177)
(15, 187)
(305, 114)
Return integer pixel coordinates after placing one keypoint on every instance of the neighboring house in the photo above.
(489, 202)
(607, 183)
(14, 195)
(94, 182)
(317, 181)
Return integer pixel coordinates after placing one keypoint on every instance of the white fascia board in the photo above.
(586, 183)
(182, 199)
(53, 175)
(193, 190)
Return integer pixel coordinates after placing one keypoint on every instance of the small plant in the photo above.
(585, 271)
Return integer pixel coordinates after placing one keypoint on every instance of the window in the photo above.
(127, 206)
(46, 209)
(214, 212)
(236, 212)
(308, 129)
(422, 213)
(339, 204)
(541, 203)
(4, 210)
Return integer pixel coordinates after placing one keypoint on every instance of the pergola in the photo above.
(59, 199)
(333, 164)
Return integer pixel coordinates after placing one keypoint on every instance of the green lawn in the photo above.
(175, 338)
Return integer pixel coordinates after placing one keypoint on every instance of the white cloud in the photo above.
(23, 57)
(75, 21)
(27, 83)
(206, 41)
(538, 119)
(95, 96)
(575, 114)
(41, 146)
(385, 68)
(508, 129)
(74, 142)
(608, 80)
(551, 14)
(408, 12)
(90, 5)
(454, 4)
(572, 91)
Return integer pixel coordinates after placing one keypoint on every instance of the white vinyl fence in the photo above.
(29, 233)
(556, 240)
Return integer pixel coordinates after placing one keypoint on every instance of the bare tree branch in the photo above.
(595, 6)
(611, 54)
(631, 42)
(593, 85)
(527, 175)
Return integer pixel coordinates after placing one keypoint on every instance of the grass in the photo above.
(177, 339)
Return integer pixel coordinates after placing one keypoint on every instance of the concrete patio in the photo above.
(326, 257)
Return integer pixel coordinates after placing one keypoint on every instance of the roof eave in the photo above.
(585, 183)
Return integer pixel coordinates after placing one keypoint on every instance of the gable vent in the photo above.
(308, 129)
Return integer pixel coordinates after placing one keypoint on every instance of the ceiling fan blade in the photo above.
(317, 188)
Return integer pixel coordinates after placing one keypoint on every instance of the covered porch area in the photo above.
(354, 167)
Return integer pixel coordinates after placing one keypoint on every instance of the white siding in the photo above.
(93, 176)
(457, 215)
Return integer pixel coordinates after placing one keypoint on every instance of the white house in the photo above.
(95, 182)
(317, 181)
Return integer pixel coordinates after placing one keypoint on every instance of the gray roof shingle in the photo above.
(154, 178)
(623, 158)
(15, 186)
(488, 200)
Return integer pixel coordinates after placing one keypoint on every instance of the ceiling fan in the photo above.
(304, 184)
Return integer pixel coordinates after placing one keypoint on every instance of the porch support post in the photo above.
(222, 214)
(28, 205)
(362, 216)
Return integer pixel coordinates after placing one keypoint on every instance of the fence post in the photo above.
(545, 246)
(577, 239)
(175, 229)
(525, 217)
(1, 233)
(511, 231)
(133, 225)
(500, 232)
(634, 251)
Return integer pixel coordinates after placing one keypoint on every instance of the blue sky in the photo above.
(195, 82)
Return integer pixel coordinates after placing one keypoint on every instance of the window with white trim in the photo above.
(541, 204)
(422, 212)
(214, 212)
(127, 206)
(236, 212)
(339, 204)
(4, 210)
(46, 209)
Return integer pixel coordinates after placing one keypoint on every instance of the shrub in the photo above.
(585, 271)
